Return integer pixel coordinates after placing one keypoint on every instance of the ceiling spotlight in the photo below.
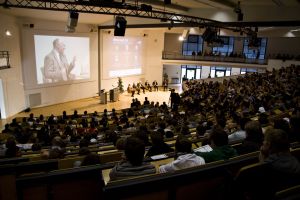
(237, 8)
(238, 11)
(8, 33)
(181, 38)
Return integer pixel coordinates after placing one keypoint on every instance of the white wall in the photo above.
(172, 44)
(205, 72)
(56, 93)
(235, 71)
(155, 46)
(283, 45)
(173, 71)
(12, 83)
(277, 64)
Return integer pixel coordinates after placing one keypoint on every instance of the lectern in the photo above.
(114, 94)
(103, 97)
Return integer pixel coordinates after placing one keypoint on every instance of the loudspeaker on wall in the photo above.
(120, 26)
(72, 21)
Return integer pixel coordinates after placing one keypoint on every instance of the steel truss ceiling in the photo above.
(133, 10)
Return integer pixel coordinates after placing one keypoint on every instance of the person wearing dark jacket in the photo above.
(276, 151)
(133, 165)
(253, 140)
(158, 145)
(221, 149)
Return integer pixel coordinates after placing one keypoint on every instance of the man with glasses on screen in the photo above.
(56, 66)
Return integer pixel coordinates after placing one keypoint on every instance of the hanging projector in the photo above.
(210, 36)
(72, 22)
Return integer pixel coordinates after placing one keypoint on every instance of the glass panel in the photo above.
(194, 43)
(220, 73)
(185, 46)
(183, 72)
(193, 47)
(228, 72)
(190, 73)
(198, 73)
(212, 73)
(193, 38)
(257, 53)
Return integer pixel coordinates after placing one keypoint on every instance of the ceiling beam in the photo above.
(217, 3)
(133, 10)
(227, 3)
(279, 3)
(161, 4)
(225, 24)
(263, 24)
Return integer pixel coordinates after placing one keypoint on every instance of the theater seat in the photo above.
(292, 193)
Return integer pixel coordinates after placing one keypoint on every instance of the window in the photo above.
(220, 71)
(226, 48)
(4, 59)
(255, 48)
(194, 43)
(248, 70)
(191, 71)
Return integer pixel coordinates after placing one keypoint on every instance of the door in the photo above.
(220, 73)
(2, 103)
(190, 73)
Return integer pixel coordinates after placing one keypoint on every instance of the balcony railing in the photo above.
(178, 56)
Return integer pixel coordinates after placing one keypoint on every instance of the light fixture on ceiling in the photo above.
(8, 33)
(72, 21)
(238, 11)
(171, 25)
(184, 35)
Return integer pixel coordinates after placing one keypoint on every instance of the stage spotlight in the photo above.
(72, 21)
(240, 16)
(184, 35)
(209, 34)
(8, 33)
(181, 38)
(120, 26)
(238, 11)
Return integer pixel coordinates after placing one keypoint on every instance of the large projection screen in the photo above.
(61, 58)
(122, 56)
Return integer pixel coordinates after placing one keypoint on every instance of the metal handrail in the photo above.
(178, 56)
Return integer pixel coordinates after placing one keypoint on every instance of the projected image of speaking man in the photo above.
(56, 66)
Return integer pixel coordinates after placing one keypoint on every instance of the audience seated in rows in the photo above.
(276, 151)
(277, 170)
(57, 149)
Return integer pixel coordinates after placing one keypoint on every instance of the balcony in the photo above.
(178, 56)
